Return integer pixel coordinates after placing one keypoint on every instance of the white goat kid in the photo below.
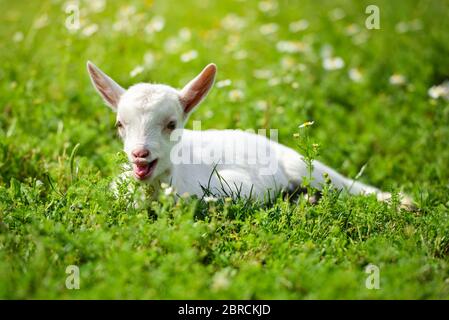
(151, 118)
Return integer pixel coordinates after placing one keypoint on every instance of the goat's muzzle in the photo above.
(144, 169)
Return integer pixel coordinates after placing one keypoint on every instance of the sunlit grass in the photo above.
(378, 100)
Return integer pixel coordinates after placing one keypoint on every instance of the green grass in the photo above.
(56, 209)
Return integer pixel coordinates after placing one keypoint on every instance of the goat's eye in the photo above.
(171, 125)
(118, 125)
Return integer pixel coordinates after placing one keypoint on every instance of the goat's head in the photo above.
(149, 114)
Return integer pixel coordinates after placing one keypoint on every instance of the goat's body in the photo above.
(226, 163)
(233, 162)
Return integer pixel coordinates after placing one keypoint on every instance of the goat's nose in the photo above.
(141, 153)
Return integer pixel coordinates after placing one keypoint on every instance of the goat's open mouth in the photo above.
(143, 170)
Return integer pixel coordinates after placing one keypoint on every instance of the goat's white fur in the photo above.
(144, 109)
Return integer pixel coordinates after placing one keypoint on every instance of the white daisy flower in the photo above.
(268, 29)
(220, 281)
(41, 22)
(184, 34)
(404, 27)
(210, 199)
(274, 82)
(280, 109)
(287, 63)
(326, 51)
(306, 124)
(96, 5)
(261, 105)
(355, 75)
(440, 91)
(337, 14)
(299, 25)
(148, 59)
(223, 83)
(127, 11)
(301, 67)
(125, 19)
(290, 46)
(168, 191)
(189, 56)
(288, 78)
(262, 73)
(90, 30)
(155, 25)
(352, 29)
(360, 38)
(172, 45)
(240, 55)
(268, 6)
(233, 22)
(397, 80)
(333, 63)
(136, 71)
(236, 95)
(401, 27)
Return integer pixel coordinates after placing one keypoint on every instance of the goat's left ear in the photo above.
(196, 90)
(108, 89)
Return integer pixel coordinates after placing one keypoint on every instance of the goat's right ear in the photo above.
(196, 90)
(108, 89)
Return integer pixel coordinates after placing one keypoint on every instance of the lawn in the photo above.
(376, 96)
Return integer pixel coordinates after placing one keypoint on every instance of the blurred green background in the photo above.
(376, 97)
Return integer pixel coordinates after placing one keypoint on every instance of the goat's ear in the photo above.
(108, 89)
(196, 90)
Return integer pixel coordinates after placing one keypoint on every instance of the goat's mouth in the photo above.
(144, 169)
